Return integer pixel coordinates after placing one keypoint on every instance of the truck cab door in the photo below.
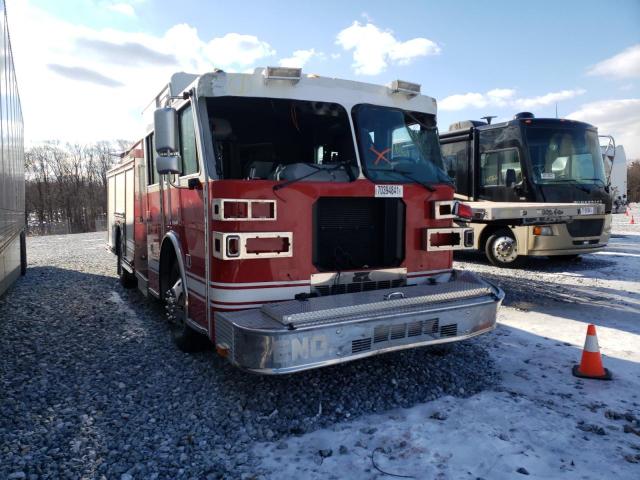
(153, 216)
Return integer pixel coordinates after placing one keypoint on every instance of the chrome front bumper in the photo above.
(299, 335)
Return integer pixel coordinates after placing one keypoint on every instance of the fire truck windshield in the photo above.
(281, 139)
(565, 155)
(398, 146)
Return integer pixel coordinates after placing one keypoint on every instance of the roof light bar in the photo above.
(282, 73)
(405, 88)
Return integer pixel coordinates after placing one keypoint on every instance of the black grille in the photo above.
(360, 345)
(585, 228)
(324, 290)
(358, 234)
(449, 330)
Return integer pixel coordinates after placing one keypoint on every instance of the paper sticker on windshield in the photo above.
(548, 175)
(586, 210)
(389, 191)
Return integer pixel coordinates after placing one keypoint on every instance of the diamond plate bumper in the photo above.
(298, 335)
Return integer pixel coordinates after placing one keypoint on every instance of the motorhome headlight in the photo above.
(543, 230)
(406, 88)
(282, 73)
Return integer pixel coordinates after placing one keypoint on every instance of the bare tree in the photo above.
(66, 187)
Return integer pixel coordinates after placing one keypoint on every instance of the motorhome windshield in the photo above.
(398, 146)
(565, 155)
(281, 139)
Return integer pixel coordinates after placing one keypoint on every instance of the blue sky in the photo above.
(475, 58)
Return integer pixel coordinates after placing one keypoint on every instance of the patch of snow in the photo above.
(541, 419)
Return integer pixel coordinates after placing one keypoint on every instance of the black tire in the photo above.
(566, 258)
(185, 338)
(23, 254)
(502, 249)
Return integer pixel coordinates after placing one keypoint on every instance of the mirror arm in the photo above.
(169, 177)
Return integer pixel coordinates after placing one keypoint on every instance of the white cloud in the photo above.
(373, 49)
(299, 58)
(463, 100)
(625, 64)
(235, 49)
(84, 84)
(503, 97)
(548, 99)
(123, 8)
(500, 96)
(620, 118)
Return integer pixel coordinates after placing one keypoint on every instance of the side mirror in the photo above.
(510, 177)
(168, 164)
(165, 125)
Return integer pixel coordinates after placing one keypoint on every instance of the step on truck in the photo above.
(290, 218)
(536, 186)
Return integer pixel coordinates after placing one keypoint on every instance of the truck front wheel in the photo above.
(502, 249)
(186, 339)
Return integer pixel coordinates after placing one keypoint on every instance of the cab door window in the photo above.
(188, 142)
(152, 174)
(495, 165)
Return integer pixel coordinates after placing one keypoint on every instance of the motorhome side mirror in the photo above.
(510, 177)
(165, 125)
(168, 164)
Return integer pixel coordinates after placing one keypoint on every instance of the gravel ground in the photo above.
(91, 385)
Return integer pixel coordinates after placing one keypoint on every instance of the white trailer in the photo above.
(12, 218)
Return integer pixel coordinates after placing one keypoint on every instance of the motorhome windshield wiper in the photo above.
(604, 184)
(573, 182)
(428, 187)
(337, 166)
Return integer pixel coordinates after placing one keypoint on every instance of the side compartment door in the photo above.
(129, 243)
(140, 225)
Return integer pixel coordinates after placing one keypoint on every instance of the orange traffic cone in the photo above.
(591, 363)
(633, 221)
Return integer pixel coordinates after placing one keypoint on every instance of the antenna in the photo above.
(556, 109)
(488, 118)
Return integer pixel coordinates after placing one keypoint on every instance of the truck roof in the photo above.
(467, 125)
(306, 87)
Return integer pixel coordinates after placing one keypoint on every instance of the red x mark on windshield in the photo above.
(380, 155)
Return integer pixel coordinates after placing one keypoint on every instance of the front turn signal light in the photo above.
(542, 231)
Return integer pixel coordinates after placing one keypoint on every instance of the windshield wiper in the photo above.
(596, 179)
(427, 186)
(337, 166)
(573, 182)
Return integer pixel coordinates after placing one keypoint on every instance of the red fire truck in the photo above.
(296, 220)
